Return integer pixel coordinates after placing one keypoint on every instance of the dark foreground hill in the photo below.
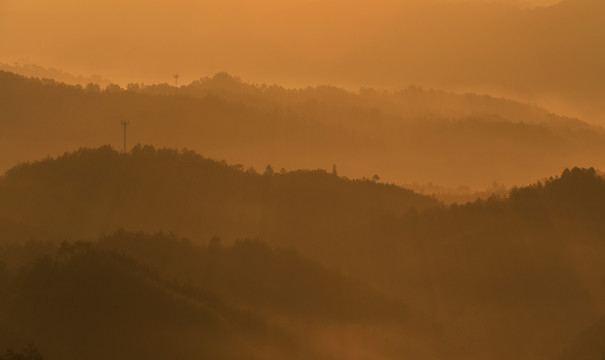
(589, 343)
(84, 303)
(406, 136)
(254, 276)
(518, 276)
(98, 301)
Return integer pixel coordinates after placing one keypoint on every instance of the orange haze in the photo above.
(507, 48)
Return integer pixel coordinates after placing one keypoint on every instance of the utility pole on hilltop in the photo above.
(176, 79)
(124, 124)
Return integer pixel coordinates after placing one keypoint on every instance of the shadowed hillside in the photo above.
(253, 275)
(101, 190)
(88, 303)
(492, 274)
(526, 267)
(406, 136)
(388, 180)
(85, 300)
(589, 343)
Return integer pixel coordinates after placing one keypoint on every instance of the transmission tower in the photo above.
(124, 124)
(176, 77)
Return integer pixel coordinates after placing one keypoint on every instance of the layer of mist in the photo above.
(551, 55)
(404, 137)
(395, 274)
(394, 179)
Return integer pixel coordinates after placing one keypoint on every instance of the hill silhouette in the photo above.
(550, 55)
(245, 301)
(406, 136)
(252, 275)
(493, 274)
(83, 302)
(92, 191)
(37, 71)
(535, 255)
(359, 196)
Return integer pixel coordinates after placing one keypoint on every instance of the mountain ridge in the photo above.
(531, 260)
(404, 137)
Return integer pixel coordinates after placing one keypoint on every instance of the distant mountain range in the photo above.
(37, 71)
(245, 220)
(407, 136)
(551, 55)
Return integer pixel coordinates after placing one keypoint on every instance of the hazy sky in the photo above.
(547, 55)
(147, 40)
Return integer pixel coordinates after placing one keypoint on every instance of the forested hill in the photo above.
(406, 136)
(82, 194)
(409, 103)
(155, 296)
(530, 265)
(493, 274)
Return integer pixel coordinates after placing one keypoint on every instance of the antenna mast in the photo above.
(124, 124)
(176, 79)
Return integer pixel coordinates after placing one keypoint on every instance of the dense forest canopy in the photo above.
(408, 136)
(101, 190)
(388, 179)
(174, 298)
(517, 264)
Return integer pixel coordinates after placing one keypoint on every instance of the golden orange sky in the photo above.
(495, 46)
(148, 40)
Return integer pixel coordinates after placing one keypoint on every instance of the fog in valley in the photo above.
(302, 180)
